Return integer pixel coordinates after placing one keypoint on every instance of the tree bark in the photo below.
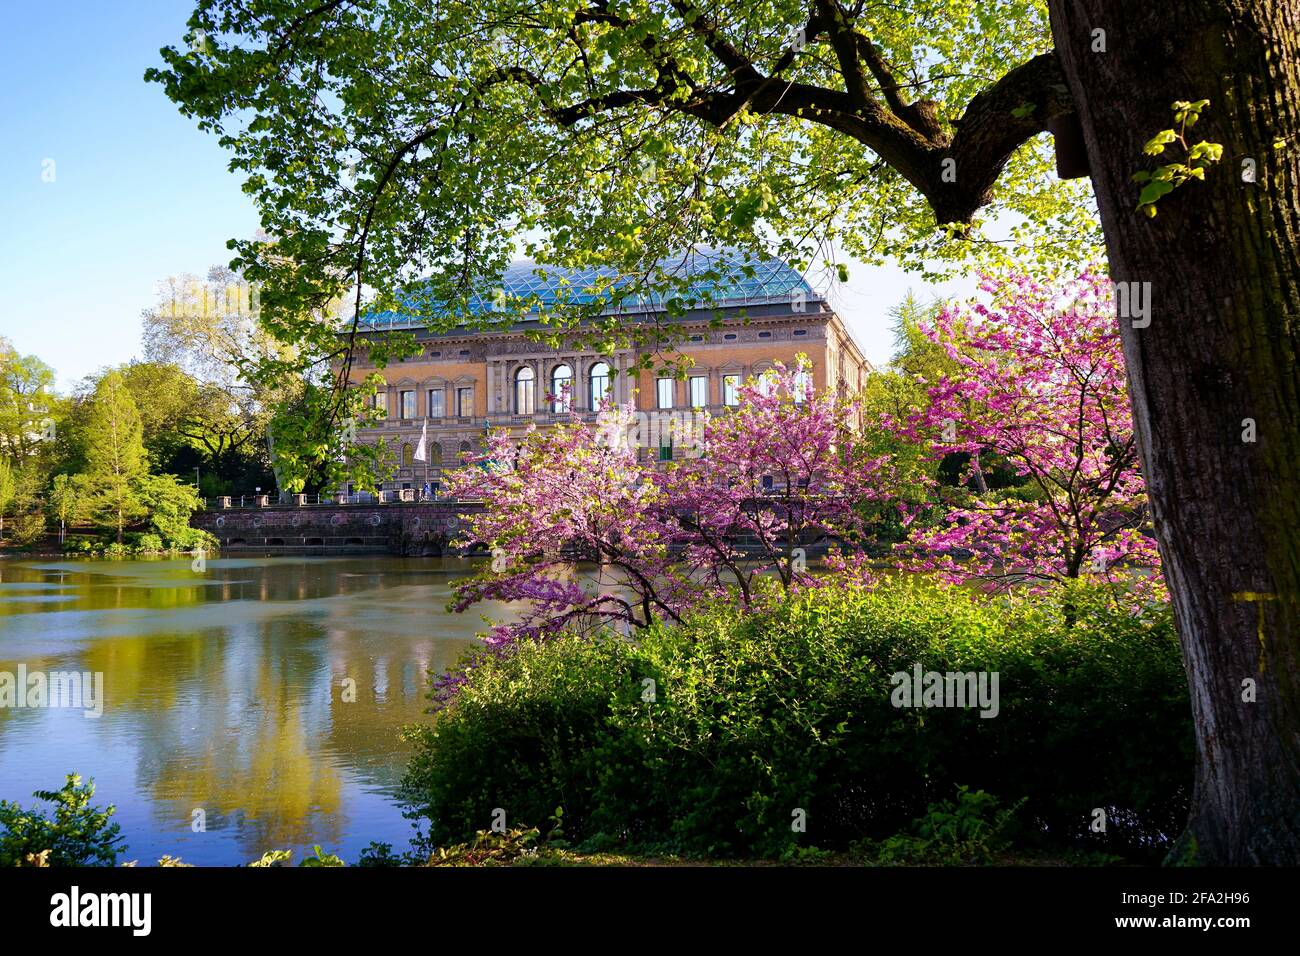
(1223, 260)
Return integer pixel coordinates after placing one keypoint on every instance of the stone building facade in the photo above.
(464, 382)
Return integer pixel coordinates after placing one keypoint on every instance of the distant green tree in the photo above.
(28, 409)
(115, 454)
(7, 485)
(167, 398)
(66, 499)
(170, 503)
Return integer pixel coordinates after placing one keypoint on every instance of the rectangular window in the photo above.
(731, 390)
(406, 403)
(802, 386)
(465, 402)
(380, 404)
(664, 392)
(699, 391)
(437, 403)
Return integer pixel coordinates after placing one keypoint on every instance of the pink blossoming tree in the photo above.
(736, 517)
(1039, 384)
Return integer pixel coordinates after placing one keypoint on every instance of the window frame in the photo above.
(731, 389)
(704, 397)
(597, 396)
(525, 390)
(563, 396)
(671, 396)
(802, 385)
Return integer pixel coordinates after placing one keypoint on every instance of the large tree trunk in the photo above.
(1223, 261)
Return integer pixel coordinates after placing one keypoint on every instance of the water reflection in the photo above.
(230, 692)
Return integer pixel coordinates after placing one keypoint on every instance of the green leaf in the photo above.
(1156, 144)
(1154, 190)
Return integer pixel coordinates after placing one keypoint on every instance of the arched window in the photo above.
(525, 391)
(408, 455)
(464, 450)
(435, 455)
(562, 389)
(599, 385)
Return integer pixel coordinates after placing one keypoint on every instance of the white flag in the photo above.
(421, 450)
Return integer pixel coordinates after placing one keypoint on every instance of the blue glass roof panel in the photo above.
(697, 280)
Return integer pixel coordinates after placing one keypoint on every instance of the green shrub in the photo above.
(146, 542)
(272, 858)
(521, 737)
(968, 831)
(322, 858)
(171, 502)
(79, 834)
(26, 527)
(80, 544)
(752, 724)
(377, 854)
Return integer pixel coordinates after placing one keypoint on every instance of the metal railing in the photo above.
(388, 496)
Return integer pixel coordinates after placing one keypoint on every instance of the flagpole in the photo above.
(422, 450)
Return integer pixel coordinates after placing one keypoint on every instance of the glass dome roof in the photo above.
(700, 279)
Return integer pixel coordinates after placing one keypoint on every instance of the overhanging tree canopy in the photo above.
(385, 141)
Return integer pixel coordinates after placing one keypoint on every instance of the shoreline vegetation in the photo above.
(603, 751)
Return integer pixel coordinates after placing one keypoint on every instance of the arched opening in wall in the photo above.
(351, 541)
(561, 389)
(599, 385)
(313, 542)
(525, 391)
(274, 542)
(408, 455)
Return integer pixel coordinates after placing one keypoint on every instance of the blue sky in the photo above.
(138, 193)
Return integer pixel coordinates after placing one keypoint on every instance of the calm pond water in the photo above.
(224, 691)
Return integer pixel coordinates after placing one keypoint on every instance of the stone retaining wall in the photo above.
(406, 528)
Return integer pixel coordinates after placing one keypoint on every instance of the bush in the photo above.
(718, 736)
(171, 503)
(26, 527)
(79, 834)
(968, 831)
(146, 542)
(81, 544)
